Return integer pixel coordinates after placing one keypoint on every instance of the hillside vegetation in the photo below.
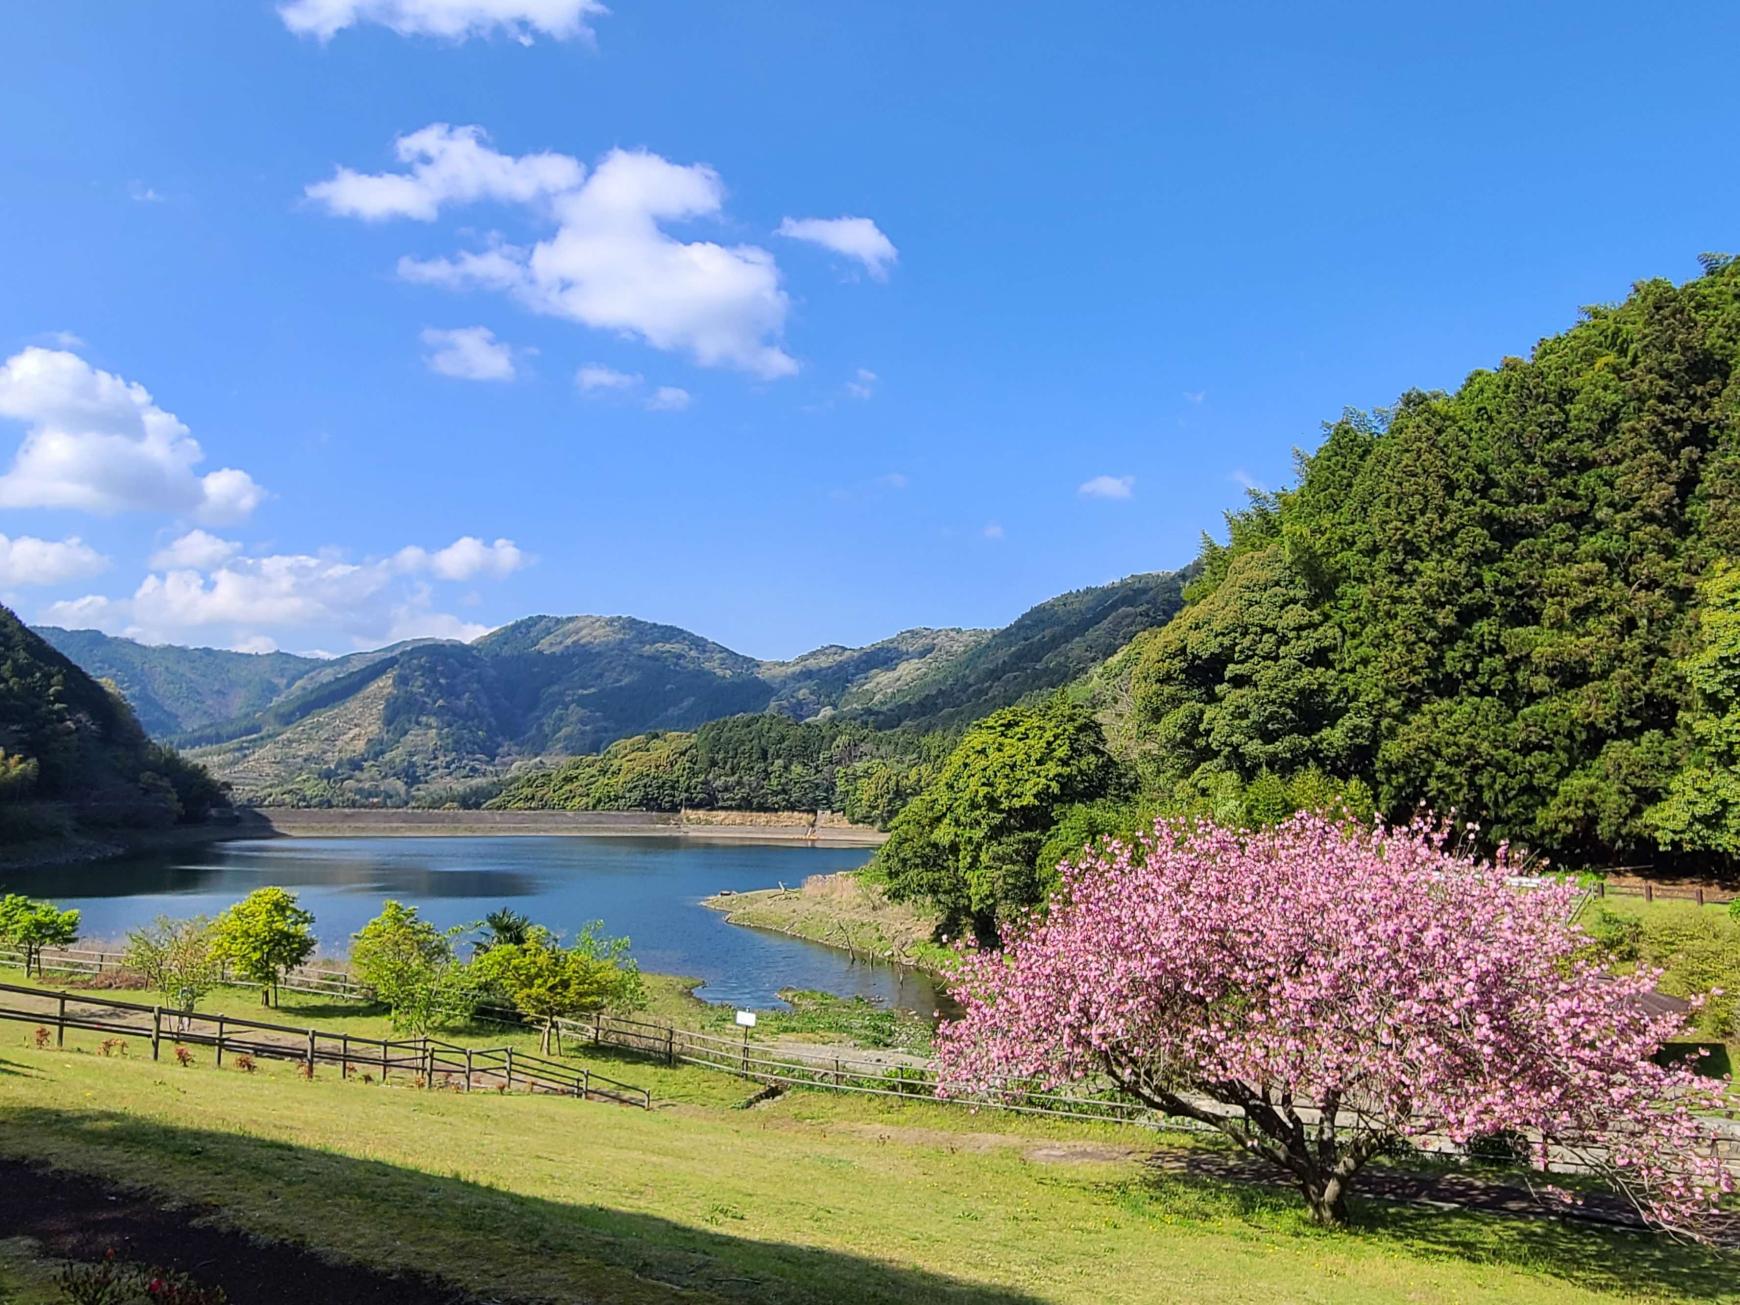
(69, 741)
(1513, 602)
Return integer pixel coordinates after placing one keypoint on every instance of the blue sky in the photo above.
(1116, 261)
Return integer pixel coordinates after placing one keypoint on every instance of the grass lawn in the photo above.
(810, 1197)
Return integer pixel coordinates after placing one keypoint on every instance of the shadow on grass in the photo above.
(502, 1245)
(12, 1069)
(1584, 1255)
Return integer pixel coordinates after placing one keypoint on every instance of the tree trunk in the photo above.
(544, 1044)
(1327, 1198)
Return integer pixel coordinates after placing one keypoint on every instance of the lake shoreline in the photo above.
(704, 827)
(86, 845)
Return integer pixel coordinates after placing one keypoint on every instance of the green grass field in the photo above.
(810, 1197)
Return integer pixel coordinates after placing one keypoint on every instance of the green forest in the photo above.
(70, 747)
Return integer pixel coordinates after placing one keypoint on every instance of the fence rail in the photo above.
(88, 960)
(1702, 894)
(428, 1059)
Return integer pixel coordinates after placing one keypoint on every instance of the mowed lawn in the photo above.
(809, 1197)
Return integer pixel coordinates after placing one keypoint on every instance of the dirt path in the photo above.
(74, 1217)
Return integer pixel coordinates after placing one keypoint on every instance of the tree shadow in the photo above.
(515, 1247)
(1217, 1182)
(12, 1069)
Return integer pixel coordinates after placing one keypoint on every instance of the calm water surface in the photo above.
(647, 888)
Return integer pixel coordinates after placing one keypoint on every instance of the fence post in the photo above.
(60, 1029)
(1648, 891)
(310, 1053)
(220, 1041)
(585, 1083)
(383, 1060)
(836, 1071)
(468, 1069)
(1700, 897)
(344, 1057)
(156, 1031)
(510, 1069)
(670, 1045)
(597, 1027)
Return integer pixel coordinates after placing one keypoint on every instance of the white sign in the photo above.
(746, 1018)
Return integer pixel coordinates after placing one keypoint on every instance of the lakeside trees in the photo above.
(263, 935)
(30, 925)
(1317, 992)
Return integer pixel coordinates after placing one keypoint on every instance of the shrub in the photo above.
(245, 1063)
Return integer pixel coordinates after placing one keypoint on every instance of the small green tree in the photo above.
(971, 842)
(179, 957)
(412, 967)
(263, 935)
(545, 981)
(30, 925)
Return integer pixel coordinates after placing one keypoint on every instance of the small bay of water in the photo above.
(649, 889)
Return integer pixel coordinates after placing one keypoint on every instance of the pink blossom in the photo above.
(1318, 993)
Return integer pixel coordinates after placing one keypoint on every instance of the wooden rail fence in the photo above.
(427, 1059)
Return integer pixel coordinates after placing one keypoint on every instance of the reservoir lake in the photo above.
(647, 888)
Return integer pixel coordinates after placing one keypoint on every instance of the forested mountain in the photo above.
(64, 738)
(436, 721)
(1047, 646)
(176, 691)
(1513, 602)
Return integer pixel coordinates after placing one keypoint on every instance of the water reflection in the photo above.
(647, 888)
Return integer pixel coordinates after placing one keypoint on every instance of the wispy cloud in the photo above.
(1107, 487)
(669, 398)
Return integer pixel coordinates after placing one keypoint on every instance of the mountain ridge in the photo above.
(375, 727)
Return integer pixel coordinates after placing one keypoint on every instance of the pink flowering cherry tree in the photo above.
(1318, 993)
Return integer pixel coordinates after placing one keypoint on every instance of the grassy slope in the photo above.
(843, 910)
(811, 1197)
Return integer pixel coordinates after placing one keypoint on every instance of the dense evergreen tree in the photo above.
(1488, 601)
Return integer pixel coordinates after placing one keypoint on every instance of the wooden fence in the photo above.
(1702, 894)
(429, 1060)
(90, 960)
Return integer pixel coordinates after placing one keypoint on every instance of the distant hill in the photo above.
(426, 720)
(177, 690)
(68, 740)
(1046, 647)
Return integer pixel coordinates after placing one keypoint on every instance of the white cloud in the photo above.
(594, 377)
(453, 20)
(196, 551)
(464, 559)
(140, 193)
(255, 643)
(239, 600)
(449, 165)
(1196, 396)
(25, 560)
(1239, 476)
(469, 353)
(893, 480)
(1108, 487)
(669, 398)
(863, 385)
(993, 530)
(66, 339)
(97, 443)
(609, 263)
(855, 237)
